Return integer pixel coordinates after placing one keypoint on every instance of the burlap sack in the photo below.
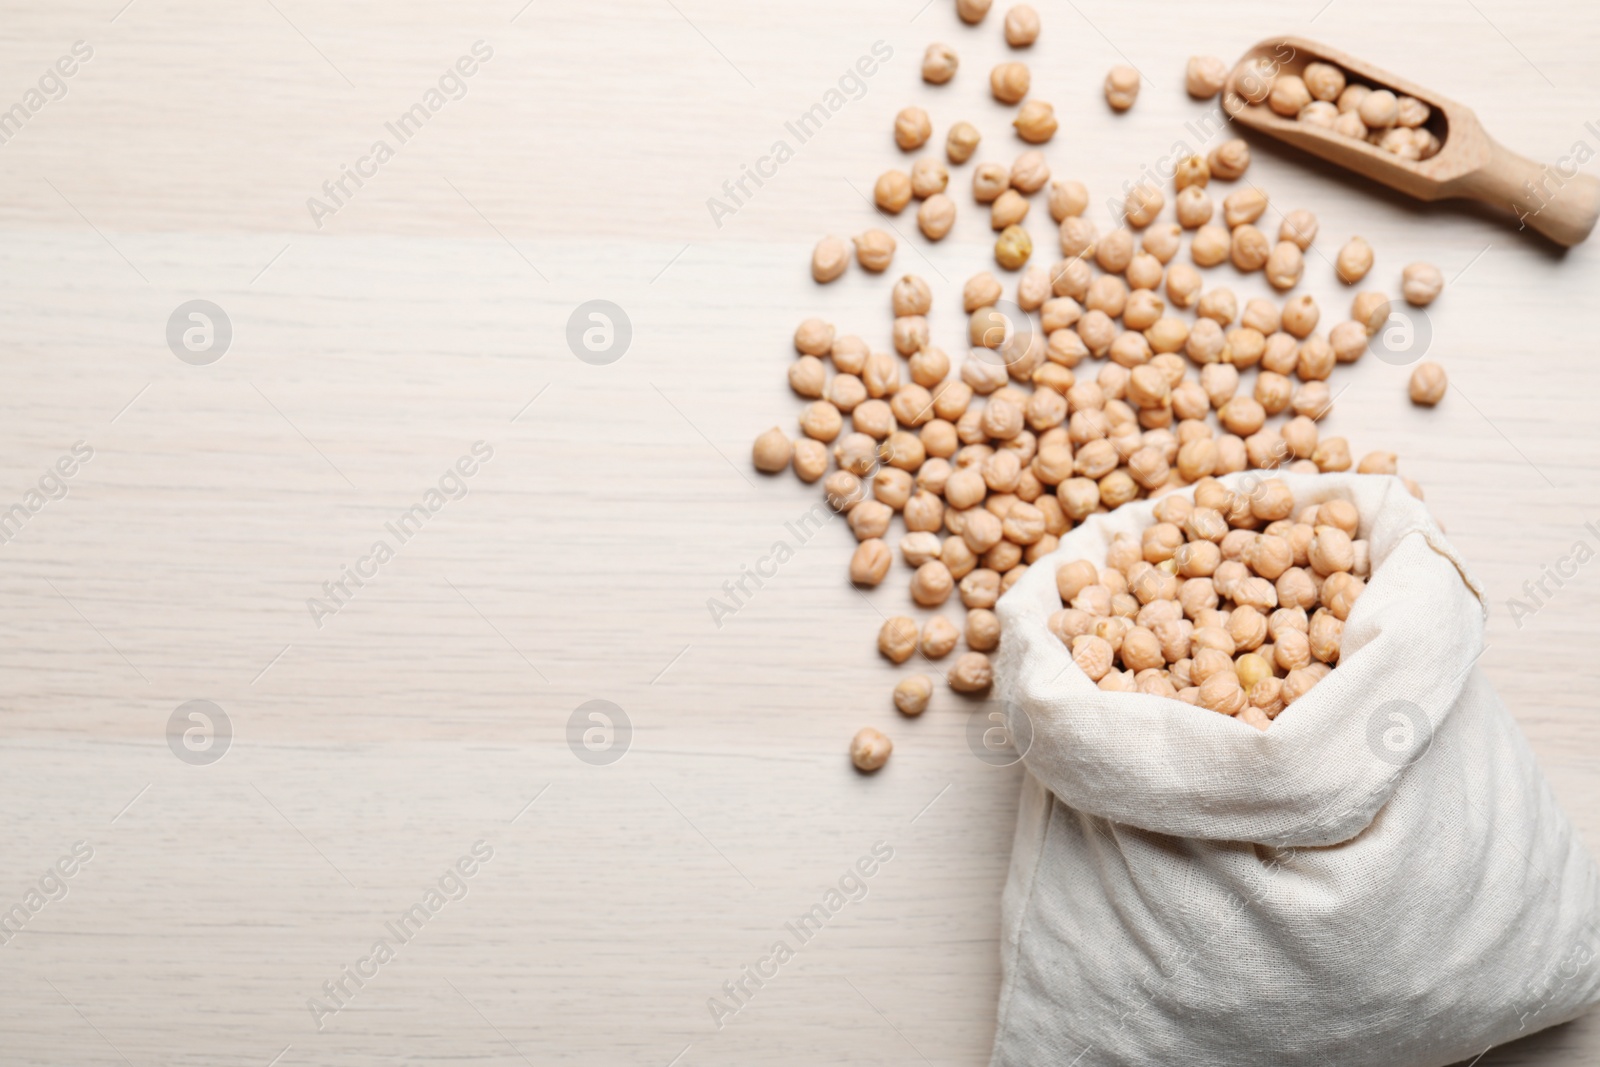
(1382, 878)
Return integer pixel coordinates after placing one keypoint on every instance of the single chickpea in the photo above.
(939, 64)
(936, 216)
(849, 354)
(1323, 80)
(989, 180)
(1021, 26)
(972, 11)
(1242, 206)
(772, 451)
(808, 377)
(931, 583)
(1113, 252)
(1122, 87)
(1144, 272)
(972, 673)
(1371, 309)
(875, 250)
(1221, 692)
(961, 142)
(1242, 415)
(1351, 96)
(1013, 248)
(1211, 245)
(1229, 160)
(1315, 359)
(814, 337)
(897, 638)
(1008, 209)
(928, 176)
(910, 333)
(1036, 122)
(1348, 341)
(1077, 237)
(1191, 171)
(1009, 82)
(1204, 76)
(983, 630)
(810, 459)
(1249, 248)
(1313, 400)
(881, 375)
(1349, 124)
(821, 420)
(1193, 207)
(939, 637)
(1354, 261)
(1300, 316)
(870, 564)
(912, 694)
(1142, 204)
(1421, 283)
(1067, 199)
(1288, 95)
(829, 259)
(1285, 265)
(1378, 463)
(1411, 112)
(1428, 384)
(1379, 109)
(1029, 171)
(869, 749)
(892, 191)
(1300, 227)
(1161, 241)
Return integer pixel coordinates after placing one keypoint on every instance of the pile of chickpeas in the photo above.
(1230, 601)
(1087, 390)
(1322, 95)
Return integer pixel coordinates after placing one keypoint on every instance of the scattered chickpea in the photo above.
(1022, 26)
(936, 216)
(939, 64)
(875, 250)
(1211, 245)
(1420, 283)
(1354, 260)
(1009, 208)
(1036, 122)
(772, 451)
(1142, 204)
(1029, 171)
(1009, 82)
(1013, 248)
(869, 749)
(892, 191)
(971, 673)
(897, 638)
(1068, 199)
(870, 564)
(1204, 76)
(1122, 87)
(973, 11)
(1191, 171)
(912, 694)
(1428, 383)
(961, 142)
(928, 176)
(1285, 265)
(829, 259)
(989, 180)
(912, 128)
(1229, 160)
(1288, 95)
(1324, 81)
(939, 637)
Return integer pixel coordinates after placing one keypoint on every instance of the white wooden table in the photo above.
(430, 711)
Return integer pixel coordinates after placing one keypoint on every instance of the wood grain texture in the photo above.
(430, 312)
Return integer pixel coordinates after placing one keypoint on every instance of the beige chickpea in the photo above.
(856, 453)
(1008, 209)
(1093, 655)
(902, 449)
(1421, 283)
(1190, 172)
(1009, 82)
(1036, 122)
(1029, 171)
(814, 337)
(1428, 384)
(939, 637)
(910, 296)
(869, 749)
(1348, 341)
(846, 392)
(772, 451)
(1349, 124)
(1122, 87)
(1211, 245)
(1351, 96)
(1067, 199)
(1204, 76)
(1285, 265)
(939, 64)
(989, 180)
(1315, 359)
(1218, 305)
(1161, 240)
(808, 377)
(1330, 550)
(821, 420)
(849, 354)
(971, 673)
(1193, 207)
(1323, 81)
(1378, 463)
(1013, 247)
(1379, 109)
(931, 583)
(810, 459)
(1229, 160)
(983, 630)
(1411, 112)
(1354, 260)
(829, 259)
(897, 638)
(912, 128)
(1113, 253)
(1142, 204)
(881, 375)
(928, 176)
(875, 250)
(912, 694)
(973, 11)
(892, 191)
(1288, 95)
(874, 417)
(961, 142)
(1300, 316)
(1021, 26)
(936, 216)
(1371, 309)
(1144, 271)
(910, 333)
(892, 486)
(1319, 113)
(870, 518)
(1078, 236)
(1249, 248)
(870, 564)
(1242, 206)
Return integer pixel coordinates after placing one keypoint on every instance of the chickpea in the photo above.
(1190, 172)
(1021, 26)
(1013, 248)
(1009, 82)
(936, 216)
(1008, 209)
(928, 176)
(1300, 316)
(1348, 341)
(1036, 122)
(989, 180)
(1161, 241)
(829, 259)
(939, 64)
(1142, 205)
(912, 128)
(869, 749)
(772, 451)
(972, 673)
(1204, 76)
(1411, 112)
(1067, 199)
(1210, 246)
(897, 638)
(1242, 206)
(1323, 80)
(972, 11)
(870, 564)
(1349, 124)
(821, 420)
(1288, 95)
(849, 354)
(1354, 261)
(1351, 96)
(1229, 160)
(1371, 309)
(939, 637)
(875, 250)
(1285, 265)
(931, 583)
(1193, 207)
(1428, 384)
(961, 142)
(1420, 283)
(1122, 87)
(912, 694)
(1379, 109)
(892, 191)
(1249, 248)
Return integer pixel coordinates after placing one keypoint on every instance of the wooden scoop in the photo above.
(1469, 163)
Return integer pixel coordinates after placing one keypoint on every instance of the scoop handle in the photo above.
(1562, 206)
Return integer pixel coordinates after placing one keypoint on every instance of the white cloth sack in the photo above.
(1364, 883)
